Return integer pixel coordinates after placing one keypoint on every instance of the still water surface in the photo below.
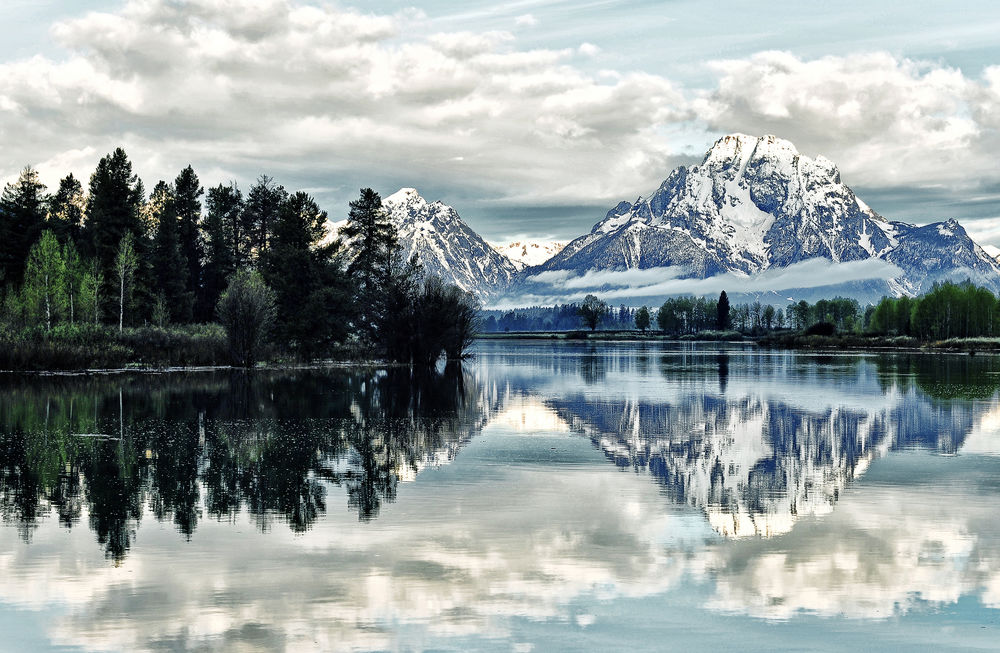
(547, 497)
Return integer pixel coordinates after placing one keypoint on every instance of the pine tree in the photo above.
(67, 209)
(187, 207)
(263, 203)
(373, 239)
(22, 218)
(313, 292)
(223, 203)
(169, 268)
(722, 320)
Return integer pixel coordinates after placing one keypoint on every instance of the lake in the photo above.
(547, 496)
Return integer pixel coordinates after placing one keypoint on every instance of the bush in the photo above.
(247, 310)
(822, 329)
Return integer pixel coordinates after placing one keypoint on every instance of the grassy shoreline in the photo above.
(97, 350)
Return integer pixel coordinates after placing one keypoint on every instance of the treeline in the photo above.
(949, 310)
(113, 256)
(564, 317)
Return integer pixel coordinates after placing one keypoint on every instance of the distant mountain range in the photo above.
(754, 217)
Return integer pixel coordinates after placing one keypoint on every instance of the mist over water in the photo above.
(554, 495)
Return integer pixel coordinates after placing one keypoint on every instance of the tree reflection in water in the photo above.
(178, 445)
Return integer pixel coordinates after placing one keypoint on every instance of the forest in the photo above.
(111, 274)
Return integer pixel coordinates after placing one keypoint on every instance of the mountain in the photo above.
(444, 244)
(756, 204)
(525, 254)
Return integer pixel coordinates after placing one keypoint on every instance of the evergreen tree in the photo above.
(264, 200)
(722, 317)
(67, 209)
(313, 292)
(187, 208)
(224, 202)
(169, 266)
(22, 218)
(373, 238)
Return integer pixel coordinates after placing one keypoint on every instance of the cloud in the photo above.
(884, 120)
(331, 98)
(564, 286)
(525, 20)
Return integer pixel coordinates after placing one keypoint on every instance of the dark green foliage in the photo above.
(22, 217)
(373, 239)
(187, 207)
(169, 267)
(225, 204)
(592, 311)
(687, 315)
(314, 294)
(264, 201)
(642, 319)
(113, 206)
(67, 209)
(822, 329)
(722, 321)
(246, 310)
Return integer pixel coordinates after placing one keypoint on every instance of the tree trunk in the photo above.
(121, 304)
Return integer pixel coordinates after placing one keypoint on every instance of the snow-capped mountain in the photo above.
(755, 204)
(524, 254)
(446, 246)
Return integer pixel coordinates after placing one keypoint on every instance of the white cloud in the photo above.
(562, 286)
(525, 20)
(884, 120)
(331, 94)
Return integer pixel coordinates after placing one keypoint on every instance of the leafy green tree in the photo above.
(76, 268)
(126, 264)
(67, 209)
(169, 265)
(22, 218)
(187, 208)
(247, 311)
(592, 311)
(91, 282)
(45, 278)
(642, 320)
(722, 318)
(767, 317)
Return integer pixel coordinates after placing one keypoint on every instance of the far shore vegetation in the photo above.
(113, 276)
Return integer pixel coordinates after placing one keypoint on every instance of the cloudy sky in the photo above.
(531, 117)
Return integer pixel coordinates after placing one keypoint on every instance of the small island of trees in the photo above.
(113, 276)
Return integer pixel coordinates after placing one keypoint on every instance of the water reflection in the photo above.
(185, 446)
(627, 494)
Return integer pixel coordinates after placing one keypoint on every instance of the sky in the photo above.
(531, 117)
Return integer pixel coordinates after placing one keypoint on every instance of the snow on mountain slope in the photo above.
(755, 204)
(525, 254)
(446, 246)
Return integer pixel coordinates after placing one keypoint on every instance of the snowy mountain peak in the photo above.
(755, 204)
(445, 245)
(405, 196)
(526, 254)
